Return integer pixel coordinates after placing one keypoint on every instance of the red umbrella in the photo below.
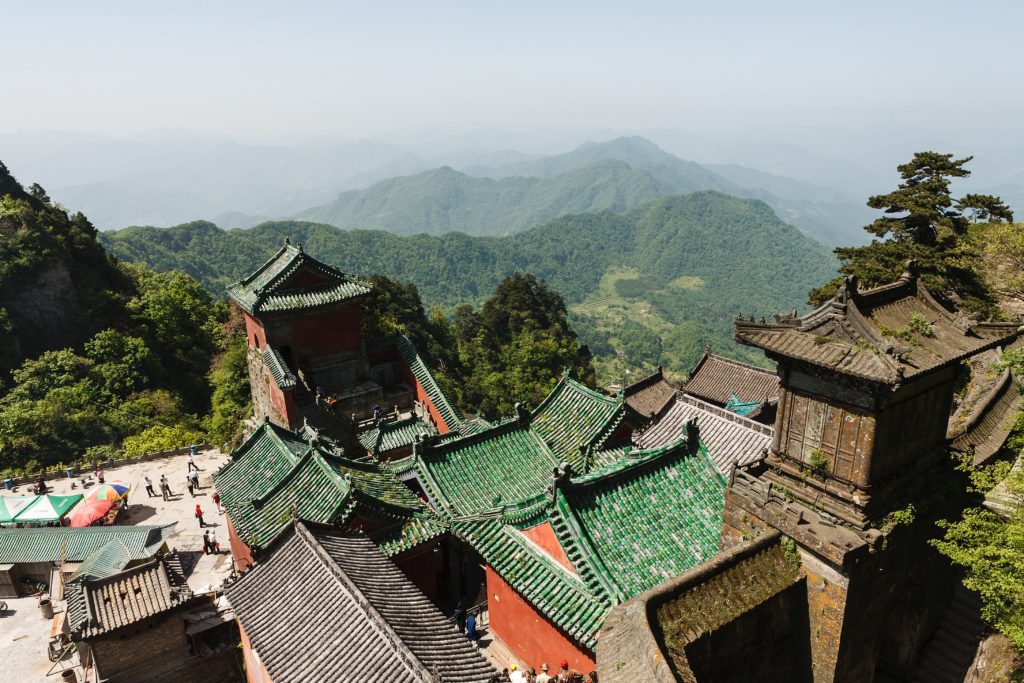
(89, 511)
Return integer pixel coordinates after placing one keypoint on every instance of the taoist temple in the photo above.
(662, 533)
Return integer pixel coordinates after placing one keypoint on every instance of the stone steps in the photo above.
(949, 652)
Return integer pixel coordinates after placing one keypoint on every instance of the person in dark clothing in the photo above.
(206, 543)
(471, 635)
(459, 617)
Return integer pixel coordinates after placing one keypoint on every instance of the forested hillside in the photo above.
(94, 354)
(650, 285)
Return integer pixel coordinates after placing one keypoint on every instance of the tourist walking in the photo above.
(99, 474)
(149, 485)
(214, 543)
(206, 543)
(471, 628)
(543, 677)
(165, 487)
(188, 484)
(199, 516)
(191, 463)
(515, 675)
(216, 501)
(194, 478)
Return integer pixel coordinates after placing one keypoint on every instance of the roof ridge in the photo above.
(356, 594)
(576, 535)
(723, 413)
(310, 454)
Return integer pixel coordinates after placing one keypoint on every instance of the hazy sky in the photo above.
(284, 71)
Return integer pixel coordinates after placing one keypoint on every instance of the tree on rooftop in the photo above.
(924, 222)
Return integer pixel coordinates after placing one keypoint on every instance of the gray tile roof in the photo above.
(716, 378)
(650, 395)
(324, 605)
(730, 438)
(101, 605)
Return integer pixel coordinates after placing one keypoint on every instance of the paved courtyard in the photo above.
(25, 634)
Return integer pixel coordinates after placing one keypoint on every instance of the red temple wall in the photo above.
(254, 332)
(255, 672)
(240, 552)
(318, 334)
(421, 395)
(527, 634)
(544, 536)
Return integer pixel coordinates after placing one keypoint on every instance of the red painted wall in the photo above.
(255, 672)
(526, 633)
(254, 332)
(314, 335)
(421, 395)
(544, 536)
(284, 404)
(240, 552)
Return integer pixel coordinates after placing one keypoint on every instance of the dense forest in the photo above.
(650, 286)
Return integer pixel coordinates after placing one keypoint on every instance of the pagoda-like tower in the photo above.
(860, 466)
(303, 328)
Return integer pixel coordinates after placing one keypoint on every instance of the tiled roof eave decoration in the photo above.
(258, 293)
(422, 373)
(849, 334)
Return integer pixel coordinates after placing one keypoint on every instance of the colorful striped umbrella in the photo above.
(89, 511)
(112, 490)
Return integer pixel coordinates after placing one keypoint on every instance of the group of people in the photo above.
(165, 487)
(565, 674)
(211, 546)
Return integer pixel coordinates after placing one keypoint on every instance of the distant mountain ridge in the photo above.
(615, 175)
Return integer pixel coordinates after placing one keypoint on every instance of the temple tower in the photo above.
(859, 464)
(304, 333)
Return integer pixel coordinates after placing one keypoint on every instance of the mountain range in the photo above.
(646, 285)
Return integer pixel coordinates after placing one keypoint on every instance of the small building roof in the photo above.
(730, 439)
(650, 395)
(717, 379)
(292, 280)
(97, 606)
(573, 416)
(353, 614)
(54, 544)
(274, 472)
(988, 411)
(885, 334)
(394, 434)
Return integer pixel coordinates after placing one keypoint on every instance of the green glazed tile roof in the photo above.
(418, 529)
(390, 436)
(268, 290)
(266, 478)
(106, 561)
(283, 377)
(545, 584)
(419, 369)
(51, 544)
(606, 518)
(477, 472)
(572, 416)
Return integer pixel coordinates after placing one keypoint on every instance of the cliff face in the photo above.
(58, 286)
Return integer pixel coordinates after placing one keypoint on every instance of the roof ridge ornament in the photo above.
(560, 479)
(692, 435)
(910, 271)
(523, 415)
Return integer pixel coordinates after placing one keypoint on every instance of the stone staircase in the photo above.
(951, 649)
